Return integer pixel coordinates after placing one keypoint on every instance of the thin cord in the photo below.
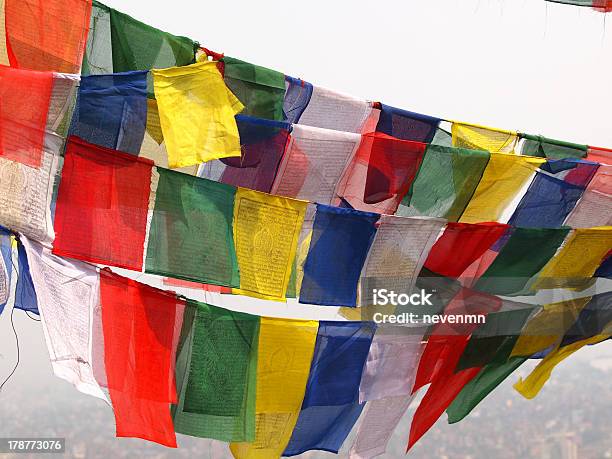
(17, 363)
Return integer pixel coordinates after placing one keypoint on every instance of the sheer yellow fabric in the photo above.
(283, 366)
(501, 181)
(548, 326)
(266, 232)
(531, 386)
(477, 137)
(196, 112)
(577, 260)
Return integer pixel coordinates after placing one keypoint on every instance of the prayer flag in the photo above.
(477, 137)
(6, 266)
(297, 97)
(406, 125)
(537, 145)
(595, 206)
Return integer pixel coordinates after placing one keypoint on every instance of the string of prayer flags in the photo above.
(297, 96)
(328, 109)
(380, 173)
(527, 251)
(330, 407)
(460, 245)
(25, 293)
(266, 231)
(445, 182)
(283, 361)
(111, 110)
(397, 254)
(140, 343)
(261, 90)
(68, 293)
(577, 260)
(197, 114)
(475, 137)
(314, 161)
(339, 246)
(46, 35)
(216, 374)
(502, 180)
(595, 206)
(191, 231)
(406, 125)
(6, 266)
(25, 97)
(537, 145)
(102, 205)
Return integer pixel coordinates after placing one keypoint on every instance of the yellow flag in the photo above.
(477, 137)
(501, 182)
(196, 112)
(283, 365)
(577, 260)
(531, 386)
(266, 232)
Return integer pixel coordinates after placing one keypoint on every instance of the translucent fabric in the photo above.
(25, 97)
(47, 35)
(191, 230)
(477, 137)
(593, 319)
(6, 266)
(605, 269)
(4, 60)
(460, 245)
(399, 249)
(216, 374)
(536, 145)
(577, 260)
(68, 293)
(111, 111)
(297, 97)
(140, 343)
(98, 57)
(25, 293)
(501, 182)
(196, 112)
(406, 125)
(331, 110)
(283, 361)
(445, 182)
(261, 90)
(380, 173)
(266, 231)
(595, 206)
(340, 243)
(599, 155)
(527, 251)
(102, 206)
(314, 162)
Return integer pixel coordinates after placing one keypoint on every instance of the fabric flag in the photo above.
(111, 110)
(595, 206)
(25, 293)
(263, 144)
(396, 257)
(69, 293)
(25, 97)
(339, 246)
(475, 137)
(380, 173)
(406, 125)
(445, 182)
(593, 319)
(502, 181)
(102, 206)
(6, 266)
(577, 260)
(328, 109)
(460, 245)
(599, 155)
(482, 385)
(261, 90)
(266, 231)
(197, 114)
(4, 60)
(191, 232)
(527, 251)
(536, 145)
(216, 374)
(314, 162)
(330, 407)
(285, 353)
(140, 343)
(47, 35)
(297, 96)
(605, 269)
(550, 198)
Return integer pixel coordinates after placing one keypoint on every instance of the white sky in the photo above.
(527, 65)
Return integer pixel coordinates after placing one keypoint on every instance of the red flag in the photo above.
(141, 327)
